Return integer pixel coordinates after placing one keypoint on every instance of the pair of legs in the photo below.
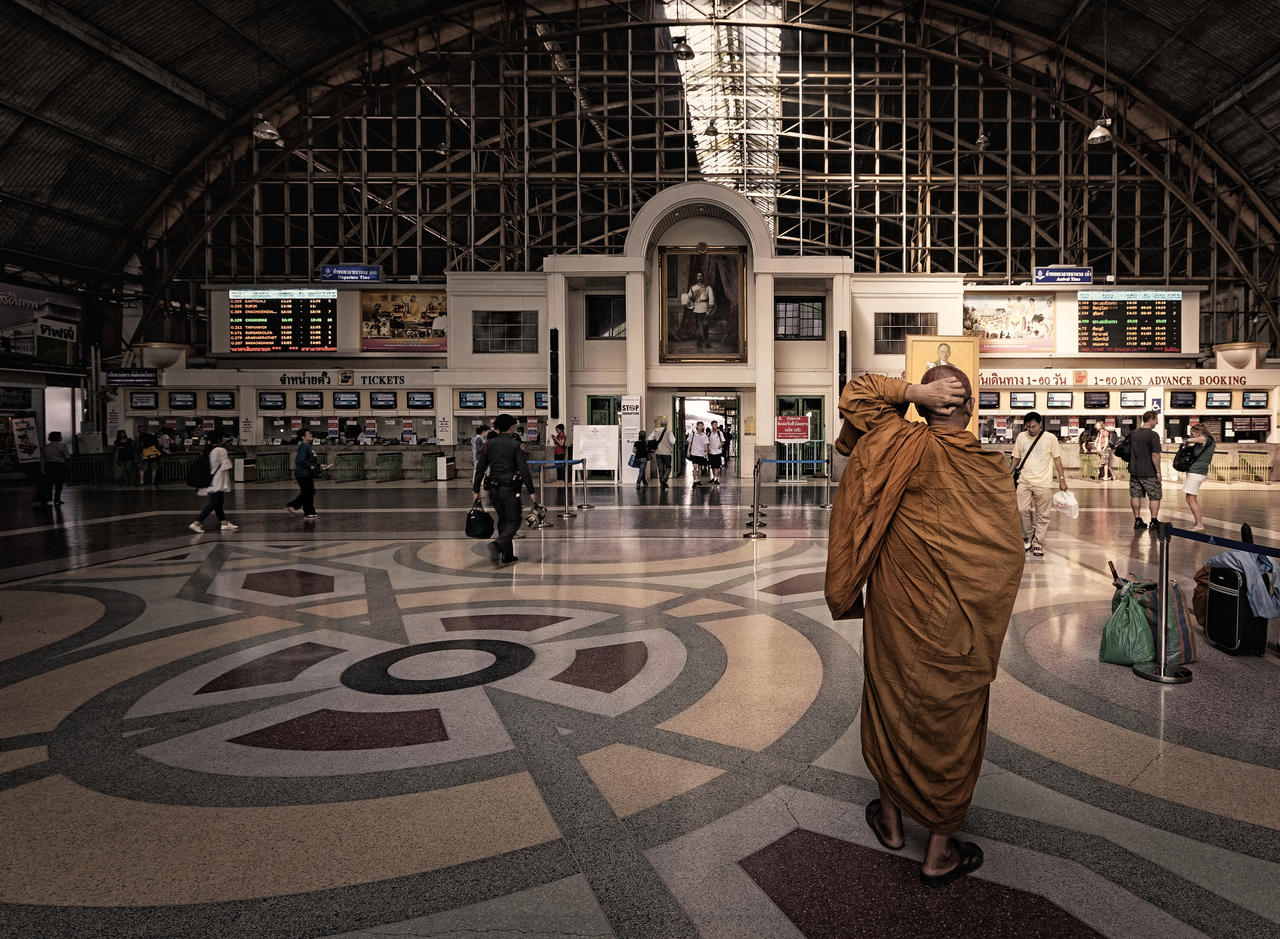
(642, 468)
(213, 507)
(57, 476)
(1191, 490)
(149, 474)
(306, 498)
(942, 855)
(1147, 487)
(506, 502)
(128, 471)
(664, 468)
(1034, 508)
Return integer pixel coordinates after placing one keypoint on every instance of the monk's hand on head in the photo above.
(942, 396)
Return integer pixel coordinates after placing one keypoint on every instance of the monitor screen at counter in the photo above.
(425, 400)
(988, 400)
(346, 400)
(471, 400)
(510, 400)
(270, 400)
(310, 400)
(144, 400)
(1253, 399)
(1182, 399)
(1133, 399)
(540, 400)
(1217, 399)
(221, 400)
(1097, 399)
(1061, 399)
(384, 400)
(1022, 400)
(182, 401)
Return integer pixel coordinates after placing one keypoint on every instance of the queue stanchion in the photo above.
(568, 490)
(1159, 670)
(542, 488)
(584, 504)
(831, 469)
(755, 499)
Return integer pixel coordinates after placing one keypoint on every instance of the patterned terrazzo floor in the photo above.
(648, 727)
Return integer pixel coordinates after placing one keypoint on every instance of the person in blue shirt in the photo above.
(306, 466)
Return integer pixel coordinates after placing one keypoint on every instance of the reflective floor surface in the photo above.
(646, 727)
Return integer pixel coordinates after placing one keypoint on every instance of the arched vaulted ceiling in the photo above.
(106, 106)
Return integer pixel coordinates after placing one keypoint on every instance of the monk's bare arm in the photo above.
(871, 400)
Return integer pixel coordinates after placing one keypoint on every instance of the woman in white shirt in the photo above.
(220, 467)
(715, 451)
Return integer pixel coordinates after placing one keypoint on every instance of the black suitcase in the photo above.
(1230, 624)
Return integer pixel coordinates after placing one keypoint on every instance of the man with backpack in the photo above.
(211, 475)
(507, 468)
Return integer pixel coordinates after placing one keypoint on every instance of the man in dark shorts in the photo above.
(1144, 471)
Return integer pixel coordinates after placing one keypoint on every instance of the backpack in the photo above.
(199, 476)
(1124, 449)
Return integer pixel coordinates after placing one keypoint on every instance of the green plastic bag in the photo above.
(1126, 638)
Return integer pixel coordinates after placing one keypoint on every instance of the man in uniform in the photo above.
(702, 300)
(507, 465)
(927, 521)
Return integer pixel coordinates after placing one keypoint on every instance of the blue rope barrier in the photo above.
(555, 462)
(793, 462)
(1223, 542)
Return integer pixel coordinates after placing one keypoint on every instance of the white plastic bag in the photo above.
(1064, 500)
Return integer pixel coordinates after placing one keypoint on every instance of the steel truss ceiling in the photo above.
(491, 139)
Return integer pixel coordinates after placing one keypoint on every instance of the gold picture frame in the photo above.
(703, 320)
(924, 352)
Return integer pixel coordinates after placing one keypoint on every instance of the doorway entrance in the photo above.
(687, 409)
(815, 449)
(602, 411)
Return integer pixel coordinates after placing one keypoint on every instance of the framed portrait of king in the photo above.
(704, 304)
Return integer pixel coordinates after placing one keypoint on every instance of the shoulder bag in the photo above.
(1124, 449)
(1185, 456)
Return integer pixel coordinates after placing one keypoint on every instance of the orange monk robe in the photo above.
(928, 521)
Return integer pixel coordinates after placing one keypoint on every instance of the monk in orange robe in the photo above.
(928, 521)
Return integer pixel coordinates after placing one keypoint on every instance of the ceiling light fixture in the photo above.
(712, 130)
(265, 130)
(681, 49)
(983, 141)
(1100, 132)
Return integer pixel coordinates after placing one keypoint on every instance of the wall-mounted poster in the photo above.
(1010, 322)
(704, 304)
(404, 321)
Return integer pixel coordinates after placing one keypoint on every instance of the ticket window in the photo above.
(468, 424)
(275, 431)
(425, 428)
(535, 429)
(351, 429)
(390, 428)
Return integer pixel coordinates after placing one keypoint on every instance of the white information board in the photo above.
(598, 445)
(629, 418)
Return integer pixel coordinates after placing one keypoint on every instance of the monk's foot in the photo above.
(960, 858)
(890, 837)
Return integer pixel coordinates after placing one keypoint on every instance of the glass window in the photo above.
(606, 317)
(892, 330)
(504, 331)
(800, 317)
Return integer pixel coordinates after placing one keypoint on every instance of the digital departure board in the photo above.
(1128, 321)
(283, 320)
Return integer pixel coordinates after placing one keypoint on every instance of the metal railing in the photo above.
(274, 467)
(389, 467)
(348, 467)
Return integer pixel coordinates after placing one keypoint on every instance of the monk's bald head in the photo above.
(958, 415)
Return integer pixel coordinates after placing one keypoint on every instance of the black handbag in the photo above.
(479, 523)
(1124, 449)
(1183, 459)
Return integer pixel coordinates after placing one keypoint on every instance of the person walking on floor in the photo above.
(306, 467)
(1144, 471)
(661, 444)
(506, 466)
(55, 456)
(696, 447)
(640, 457)
(1036, 455)
(1106, 445)
(925, 519)
(126, 457)
(219, 485)
(1201, 457)
(715, 451)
